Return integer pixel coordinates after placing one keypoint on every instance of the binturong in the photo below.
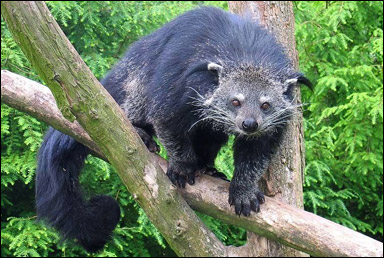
(204, 76)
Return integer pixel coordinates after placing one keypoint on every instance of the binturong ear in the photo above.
(296, 80)
(215, 69)
(304, 80)
(299, 78)
(205, 66)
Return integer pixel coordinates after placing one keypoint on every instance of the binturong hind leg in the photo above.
(207, 145)
(147, 139)
(183, 162)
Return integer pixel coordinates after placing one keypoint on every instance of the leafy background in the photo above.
(340, 47)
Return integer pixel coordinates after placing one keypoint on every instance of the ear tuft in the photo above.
(215, 68)
(304, 80)
(290, 81)
(204, 66)
(298, 78)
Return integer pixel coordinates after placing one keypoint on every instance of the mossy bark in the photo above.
(80, 96)
(85, 100)
(278, 221)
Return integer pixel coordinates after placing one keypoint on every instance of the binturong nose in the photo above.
(250, 125)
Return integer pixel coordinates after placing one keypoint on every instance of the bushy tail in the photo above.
(58, 197)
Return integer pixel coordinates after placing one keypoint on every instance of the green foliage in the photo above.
(26, 238)
(224, 161)
(229, 235)
(101, 32)
(341, 49)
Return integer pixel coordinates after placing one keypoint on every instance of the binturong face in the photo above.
(248, 102)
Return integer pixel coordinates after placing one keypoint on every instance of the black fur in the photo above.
(166, 89)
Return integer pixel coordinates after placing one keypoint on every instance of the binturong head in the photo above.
(251, 101)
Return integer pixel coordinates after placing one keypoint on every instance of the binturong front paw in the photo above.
(180, 174)
(245, 199)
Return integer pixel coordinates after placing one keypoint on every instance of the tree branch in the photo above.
(80, 96)
(278, 221)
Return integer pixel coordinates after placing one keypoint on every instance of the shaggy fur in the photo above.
(203, 76)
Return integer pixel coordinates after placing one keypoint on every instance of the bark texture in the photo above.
(277, 220)
(80, 96)
(284, 177)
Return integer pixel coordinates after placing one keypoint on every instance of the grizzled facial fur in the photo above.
(248, 101)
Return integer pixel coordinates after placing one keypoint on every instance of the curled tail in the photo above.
(59, 200)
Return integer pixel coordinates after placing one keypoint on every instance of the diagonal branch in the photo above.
(278, 221)
(80, 96)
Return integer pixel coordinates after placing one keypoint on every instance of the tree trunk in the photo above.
(80, 96)
(284, 177)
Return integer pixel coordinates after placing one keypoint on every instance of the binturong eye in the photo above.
(265, 106)
(236, 102)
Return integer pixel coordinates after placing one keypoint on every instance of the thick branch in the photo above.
(38, 101)
(278, 221)
(81, 96)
